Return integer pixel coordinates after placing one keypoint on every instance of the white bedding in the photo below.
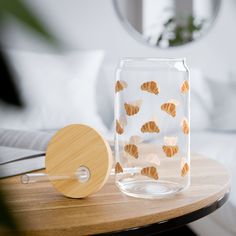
(221, 147)
(57, 89)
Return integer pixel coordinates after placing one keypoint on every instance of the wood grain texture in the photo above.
(43, 211)
(77, 146)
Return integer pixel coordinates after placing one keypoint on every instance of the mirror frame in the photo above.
(138, 37)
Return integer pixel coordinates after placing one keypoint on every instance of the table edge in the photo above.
(173, 223)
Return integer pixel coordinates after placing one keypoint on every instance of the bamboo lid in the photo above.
(78, 161)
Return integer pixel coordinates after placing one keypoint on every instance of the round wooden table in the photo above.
(43, 211)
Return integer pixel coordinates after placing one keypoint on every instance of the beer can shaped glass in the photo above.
(152, 129)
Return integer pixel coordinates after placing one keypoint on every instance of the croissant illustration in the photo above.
(170, 150)
(118, 168)
(153, 158)
(185, 126)
(150, 172)
(131, 109)
(150, 87)
(119, 128)
(170, 140)
(150, 127)
(132, 150)
(120, 85)
(184, 87)
(169, 108)
(185, 169)
(135, 139)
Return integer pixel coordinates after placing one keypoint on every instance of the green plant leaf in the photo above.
(23, 14)
(178, 40)
(17, 9)
(8, 90)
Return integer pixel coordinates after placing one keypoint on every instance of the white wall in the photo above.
(91, 24)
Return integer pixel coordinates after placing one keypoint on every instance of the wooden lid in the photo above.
(78, 147)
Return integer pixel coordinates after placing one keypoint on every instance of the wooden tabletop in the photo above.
(43, 211)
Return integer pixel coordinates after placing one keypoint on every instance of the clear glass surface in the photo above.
(152, 134)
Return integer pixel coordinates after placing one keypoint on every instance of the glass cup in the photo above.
(152, 132)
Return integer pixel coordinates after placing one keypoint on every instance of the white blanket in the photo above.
(221, 147)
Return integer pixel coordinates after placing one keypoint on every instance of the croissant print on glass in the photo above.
(152, 129)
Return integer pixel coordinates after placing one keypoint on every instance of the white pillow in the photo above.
(201, 102)
(57, 90)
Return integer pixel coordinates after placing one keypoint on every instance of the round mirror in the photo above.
(167, 23)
